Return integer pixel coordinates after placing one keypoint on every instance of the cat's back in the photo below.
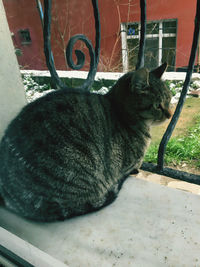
(57, 122)
(52, 152)
(58, 109)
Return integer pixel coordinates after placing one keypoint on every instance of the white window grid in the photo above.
(125, 37)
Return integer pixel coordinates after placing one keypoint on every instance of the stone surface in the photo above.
(185, 186)
(170, 182)
(148, 225)
(25, 251)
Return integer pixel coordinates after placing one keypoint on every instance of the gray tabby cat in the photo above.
(69, 152)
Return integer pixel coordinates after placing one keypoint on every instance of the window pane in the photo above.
(169, 26)
(25, 36)
(133, 48)
(152, 28)
(169, 52)
(152, 45)
(151, 53)
(133, 29)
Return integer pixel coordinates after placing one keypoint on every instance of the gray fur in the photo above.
(68, 153)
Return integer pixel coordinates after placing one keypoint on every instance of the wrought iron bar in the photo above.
(98, 30)
(39, 7)
(41, 13)
(171, 126)
(13, 259)
(140, 62)
(47, 44)
(94, 55)
(172, 173)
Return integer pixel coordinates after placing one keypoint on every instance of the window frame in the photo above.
(25, 36)
(160, 35)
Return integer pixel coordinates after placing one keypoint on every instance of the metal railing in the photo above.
(94, 59)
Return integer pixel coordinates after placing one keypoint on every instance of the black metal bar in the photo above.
(47, 44)
(172, 173)
(140, 62)
(39, 7)
(171, 126)
(98, 30)
(41, 13)
(13, 258)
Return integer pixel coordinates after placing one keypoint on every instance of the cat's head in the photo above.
(142, 95)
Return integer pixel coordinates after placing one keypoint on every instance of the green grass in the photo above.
(180, 149)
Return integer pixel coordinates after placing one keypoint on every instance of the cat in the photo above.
(69, 152)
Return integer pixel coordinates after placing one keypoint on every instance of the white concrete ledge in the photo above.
(26, 251)
(75, 74)
(104, 75)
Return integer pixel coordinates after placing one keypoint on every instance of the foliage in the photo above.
(174, 86)
(30, 84)
(180, 149)
(32, 89)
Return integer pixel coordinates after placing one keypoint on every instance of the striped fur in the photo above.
(68, 153)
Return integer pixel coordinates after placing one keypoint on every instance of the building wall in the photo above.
(23, 14)
(76, 16)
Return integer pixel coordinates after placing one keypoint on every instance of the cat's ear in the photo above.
(159, 71)
(140, 79)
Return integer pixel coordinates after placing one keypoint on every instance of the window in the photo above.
(25, 36)
(160, 44)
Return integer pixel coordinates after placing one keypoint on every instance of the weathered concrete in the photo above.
(170, 182)
(149, 225)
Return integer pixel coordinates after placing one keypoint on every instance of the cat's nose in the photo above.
(167, 110)
(168, 113)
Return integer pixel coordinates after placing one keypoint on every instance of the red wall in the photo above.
(77, 17)
(23, 14)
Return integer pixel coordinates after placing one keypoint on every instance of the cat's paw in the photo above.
(135, 171)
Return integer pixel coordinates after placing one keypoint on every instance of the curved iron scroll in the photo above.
(94, 55)
(179, 107)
